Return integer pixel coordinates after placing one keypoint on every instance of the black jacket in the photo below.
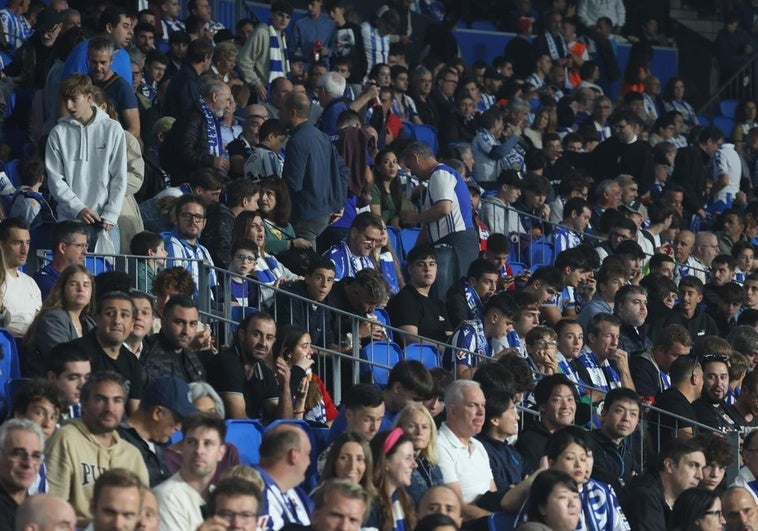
(217, 235)
(644, 504)
(156, 465)
(691, 173)
(159, 359)
(613, 464)
(531, 444)
(186, 146)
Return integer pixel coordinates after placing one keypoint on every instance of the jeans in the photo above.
(311, 228)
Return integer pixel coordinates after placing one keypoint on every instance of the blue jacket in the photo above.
(313, 174)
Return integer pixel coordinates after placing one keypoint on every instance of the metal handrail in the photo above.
(732, 89)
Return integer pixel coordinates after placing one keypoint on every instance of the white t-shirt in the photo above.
(727, 161)
(180, 504)
(469, 466)
(23, 300)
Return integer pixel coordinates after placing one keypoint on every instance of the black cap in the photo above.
(47, 19)
(491, 73)
(170, 392)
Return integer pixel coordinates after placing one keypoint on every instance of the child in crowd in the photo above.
(28, 203)
(148, 244)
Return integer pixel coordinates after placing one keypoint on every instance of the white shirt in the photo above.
(743, 479)
(23, 300)
(726, 161)
(469, 466)
(180, 504)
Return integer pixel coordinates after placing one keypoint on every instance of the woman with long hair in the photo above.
(65, 315)
(268, 270)
(545, 121)
(387, 263)
(313, 402)
(393, 467)
(417, 422)
(673, 98)
(386, 195)
(349, 457)
(276, 207)
(554, 501)
(697, 509)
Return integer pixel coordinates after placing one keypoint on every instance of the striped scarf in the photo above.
(278, 64)
(212, 129)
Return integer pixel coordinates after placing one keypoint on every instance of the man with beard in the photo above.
(105, 344)
(182, 495)
(615, 461)
(630, 307)
(710, 408)
(604, 366)
(166, 353)
(247, 386)
(84, 448)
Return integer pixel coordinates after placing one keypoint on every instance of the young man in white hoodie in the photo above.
(86, 162)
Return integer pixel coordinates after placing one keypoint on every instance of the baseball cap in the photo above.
(170, 392)
(491, 73)
(635, 207)
(47, 19)
(163, 124)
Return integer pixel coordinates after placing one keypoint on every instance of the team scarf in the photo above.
(600, 508)
(604, 377)
(397, 513)
(212, 129)
(278, 64)
(474, 303)
(553, 41)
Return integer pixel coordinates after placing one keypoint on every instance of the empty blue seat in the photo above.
(393, 235)
(426, 134)
(425, 353)
(728, 108)
(384, 353)
(384, 317)
(501, 521)
(408, 238)
(726, 125)
(542, 252)
(246, 435)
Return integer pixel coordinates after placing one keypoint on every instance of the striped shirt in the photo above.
(15, 28)
(263, 163)
(377, 47)
(446, 184)
(178, 248)
(563, 239)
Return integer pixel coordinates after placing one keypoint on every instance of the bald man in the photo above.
(45, 512)
(739, 509)
(706, 247)
(686, 264)
(443, 500)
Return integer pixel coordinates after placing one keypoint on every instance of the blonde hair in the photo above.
(430, 452)
(243, 472)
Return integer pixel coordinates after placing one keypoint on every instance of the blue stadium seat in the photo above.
(542, 252)
(11, 170)
(725, 125)
(425, 353)
(97, 264)
(393, 235)
(501, 522)
(483, 25)
(408, 239)
(728, 108)
(12, 386)
(703, 120)
(517, 267)
(385, 353)
(426, 134)
(384, 317)
(9, 368)
(246, 435)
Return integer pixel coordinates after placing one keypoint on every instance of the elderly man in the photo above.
(20, 460)
(330, 92)
(739, 509)
(464, 461)
(706, 247)
(686, 263)
(45, 512)
(193, 141)
(285, 458)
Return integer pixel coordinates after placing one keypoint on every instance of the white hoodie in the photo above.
(86, 166)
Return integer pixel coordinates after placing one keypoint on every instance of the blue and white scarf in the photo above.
(474, 303)
(397, 513)
(212, 129)
(601, 375)
(278, 63)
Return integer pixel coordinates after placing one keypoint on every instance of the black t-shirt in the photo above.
(673, 401)
(227, 375)
(127, 364)
(8, 508)
(714, 416)
(410, 308)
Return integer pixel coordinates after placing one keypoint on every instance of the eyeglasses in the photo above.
(244, 257)
(245, 516)
(19, 454)
(550, 344)
(714, 512)
(189, 216)
(80, 246)
(367, 239)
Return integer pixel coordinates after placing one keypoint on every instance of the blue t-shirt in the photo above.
(76, 62)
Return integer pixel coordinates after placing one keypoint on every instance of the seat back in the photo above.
(425, 353)
(501, 521)
(426, 134)
(408, 239)
(725, 124)
(385, 353)
(9, 367)
(246, 435)
(542, 252)
(728, 108)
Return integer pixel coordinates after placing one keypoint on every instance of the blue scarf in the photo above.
(473, 301)
(397, 513)
(212, 129)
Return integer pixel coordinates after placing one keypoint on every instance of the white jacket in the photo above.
(86, 166)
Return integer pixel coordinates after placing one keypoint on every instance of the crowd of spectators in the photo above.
(586, 265)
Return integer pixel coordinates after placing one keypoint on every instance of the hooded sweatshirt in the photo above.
(74, 459)
(86, 166)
